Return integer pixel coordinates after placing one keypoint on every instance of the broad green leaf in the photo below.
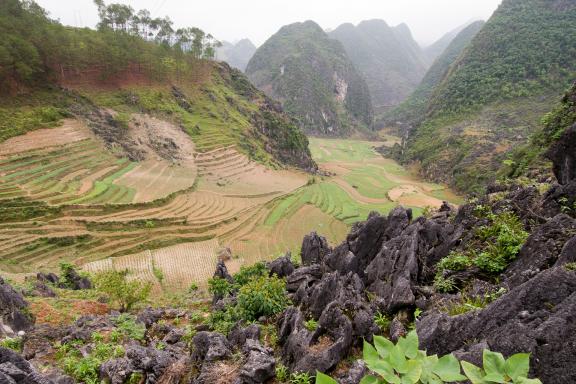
(381, 367)
(369, 353)
(409, 345)
(524, 380)
(428, 363)
(383, 346)
(398, 360)
(494, 362)
(495, 378)
(518, 365)
(434, 380)
(324, 379)
(448, 369)
(414, 372)
(370, 380)
(473, 373)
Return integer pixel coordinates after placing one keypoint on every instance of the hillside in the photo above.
(485, 290)
(387, 57)
(495, 93)
(314, 80)
(414, 108)
(237, 55)
(434, 50)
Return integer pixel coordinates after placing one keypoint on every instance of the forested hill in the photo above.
(388, 57)
(135, 64)
(496, 92)
(237, 55)
(312, 76)
(414, 108)
(434, 50)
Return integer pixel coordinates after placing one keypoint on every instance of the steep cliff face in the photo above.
(388, 58)
(314, 80)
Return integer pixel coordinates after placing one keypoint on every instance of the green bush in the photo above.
(86, 368)
(128, 327)
(282, 374)
(249, 273)
(120, 290)
(300, 378)
(311, 325)
(504, 238)
(444, 285)
(264, 296)
(455, 261)
(382, 321)
(12, 343)
(219, 287)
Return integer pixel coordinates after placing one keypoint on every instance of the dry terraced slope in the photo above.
(67, 197)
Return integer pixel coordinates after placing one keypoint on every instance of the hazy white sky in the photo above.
(259, 19)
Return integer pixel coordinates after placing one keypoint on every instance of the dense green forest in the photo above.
(35, 48)
(414, 107)
(494, 95)
(527, 47)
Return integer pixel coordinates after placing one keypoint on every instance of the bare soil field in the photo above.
(70, 131)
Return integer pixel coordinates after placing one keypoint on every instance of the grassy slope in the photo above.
(495, 93)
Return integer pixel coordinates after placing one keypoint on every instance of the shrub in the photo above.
(382, 321)
(86, 368)
(282, 374)
(504, 238)
(12, 343)
(311, 325)
(66, 272)
(250, 273)
(125, 293)
(300, 378)
(128, 327)
(264, 296)
(455, 261)
(444, 285)
(219, 287)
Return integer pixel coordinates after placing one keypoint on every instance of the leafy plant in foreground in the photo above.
(497, 369)
(404, 363)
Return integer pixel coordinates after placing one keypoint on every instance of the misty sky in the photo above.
(259, 19)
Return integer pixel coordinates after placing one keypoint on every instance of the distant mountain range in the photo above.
(237, 55)
(314, 79)
(387, 57)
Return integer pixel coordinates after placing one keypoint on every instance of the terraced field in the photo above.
(65, 196)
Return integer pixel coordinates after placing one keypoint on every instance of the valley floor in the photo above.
(68, 198)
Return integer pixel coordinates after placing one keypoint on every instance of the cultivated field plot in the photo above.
(174, 268)
(68, 198)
